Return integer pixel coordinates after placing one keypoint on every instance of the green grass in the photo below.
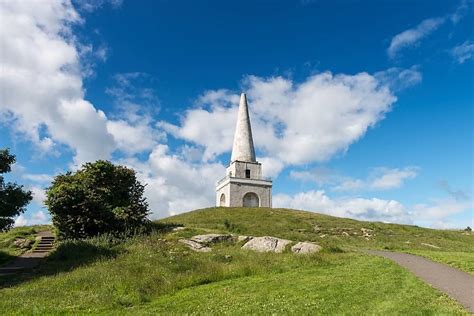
(330, 231)
(360, 285)
(8, 249)
(156, 274)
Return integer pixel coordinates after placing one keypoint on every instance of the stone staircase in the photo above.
(45, 245)
(31, 259)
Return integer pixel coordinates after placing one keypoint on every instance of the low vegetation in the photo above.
(328, 231)
(157, 274)
(18, 240)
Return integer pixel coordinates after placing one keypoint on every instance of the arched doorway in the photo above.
(222, 202)
(251, 200)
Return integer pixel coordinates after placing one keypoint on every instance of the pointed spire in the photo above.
(243, 142)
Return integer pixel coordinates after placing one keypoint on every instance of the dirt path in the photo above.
(30, 259)
(457, 284)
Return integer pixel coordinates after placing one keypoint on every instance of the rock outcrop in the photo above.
(266, 244)
(202, 243)
(306, 247)
(212, 238)
(195, 245)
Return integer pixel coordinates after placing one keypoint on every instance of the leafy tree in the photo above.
(13, 198)
(99, 198)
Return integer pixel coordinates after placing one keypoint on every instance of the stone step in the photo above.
(41, 250)
(10, 270)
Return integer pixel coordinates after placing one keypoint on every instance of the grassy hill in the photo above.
(155, 274)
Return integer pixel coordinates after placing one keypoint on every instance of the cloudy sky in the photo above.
(359, 109)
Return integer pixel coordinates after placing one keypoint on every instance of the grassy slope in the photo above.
(455, 247)
(157, 274)
(8, 249)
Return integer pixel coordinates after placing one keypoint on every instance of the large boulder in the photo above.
(212, 238)
(266, 244)
(243, 238)
(306, 247)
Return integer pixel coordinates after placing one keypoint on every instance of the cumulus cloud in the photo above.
(385, 178)
(412, 36)
(37, 218)
(21, 221)
(40, 75)
(174, 185)
(380, 178)
(38, 177)
(463, 52)
(133, 125)
(294, 123)
(39, 194)
(435, 214)
(358, 208)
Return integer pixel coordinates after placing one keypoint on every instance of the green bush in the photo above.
(99, 198)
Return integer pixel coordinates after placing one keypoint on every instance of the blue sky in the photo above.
(360, 109)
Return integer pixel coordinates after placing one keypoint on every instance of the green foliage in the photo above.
(13, 198)
(99, 198)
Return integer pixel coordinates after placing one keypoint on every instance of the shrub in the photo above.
(99, 198)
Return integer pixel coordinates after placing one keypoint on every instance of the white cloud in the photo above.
(40, 75)
(271, 167)
(385, 178)
(38, 177)
(37, 218)
(174, 185)
(21, 221)
(398, 78)
(441, 208)
(412, 36)
(209, 128)
(293, 123)
(39, 194)
(380, 178)
(358, 208)
(463, 52)
(133, 138)
(436, 214)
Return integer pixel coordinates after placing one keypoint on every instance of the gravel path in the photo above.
(457, 284)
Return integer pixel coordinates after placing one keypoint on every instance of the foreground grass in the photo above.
(327, 231)
(156, 274)
(359, 285)
(7, 239)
